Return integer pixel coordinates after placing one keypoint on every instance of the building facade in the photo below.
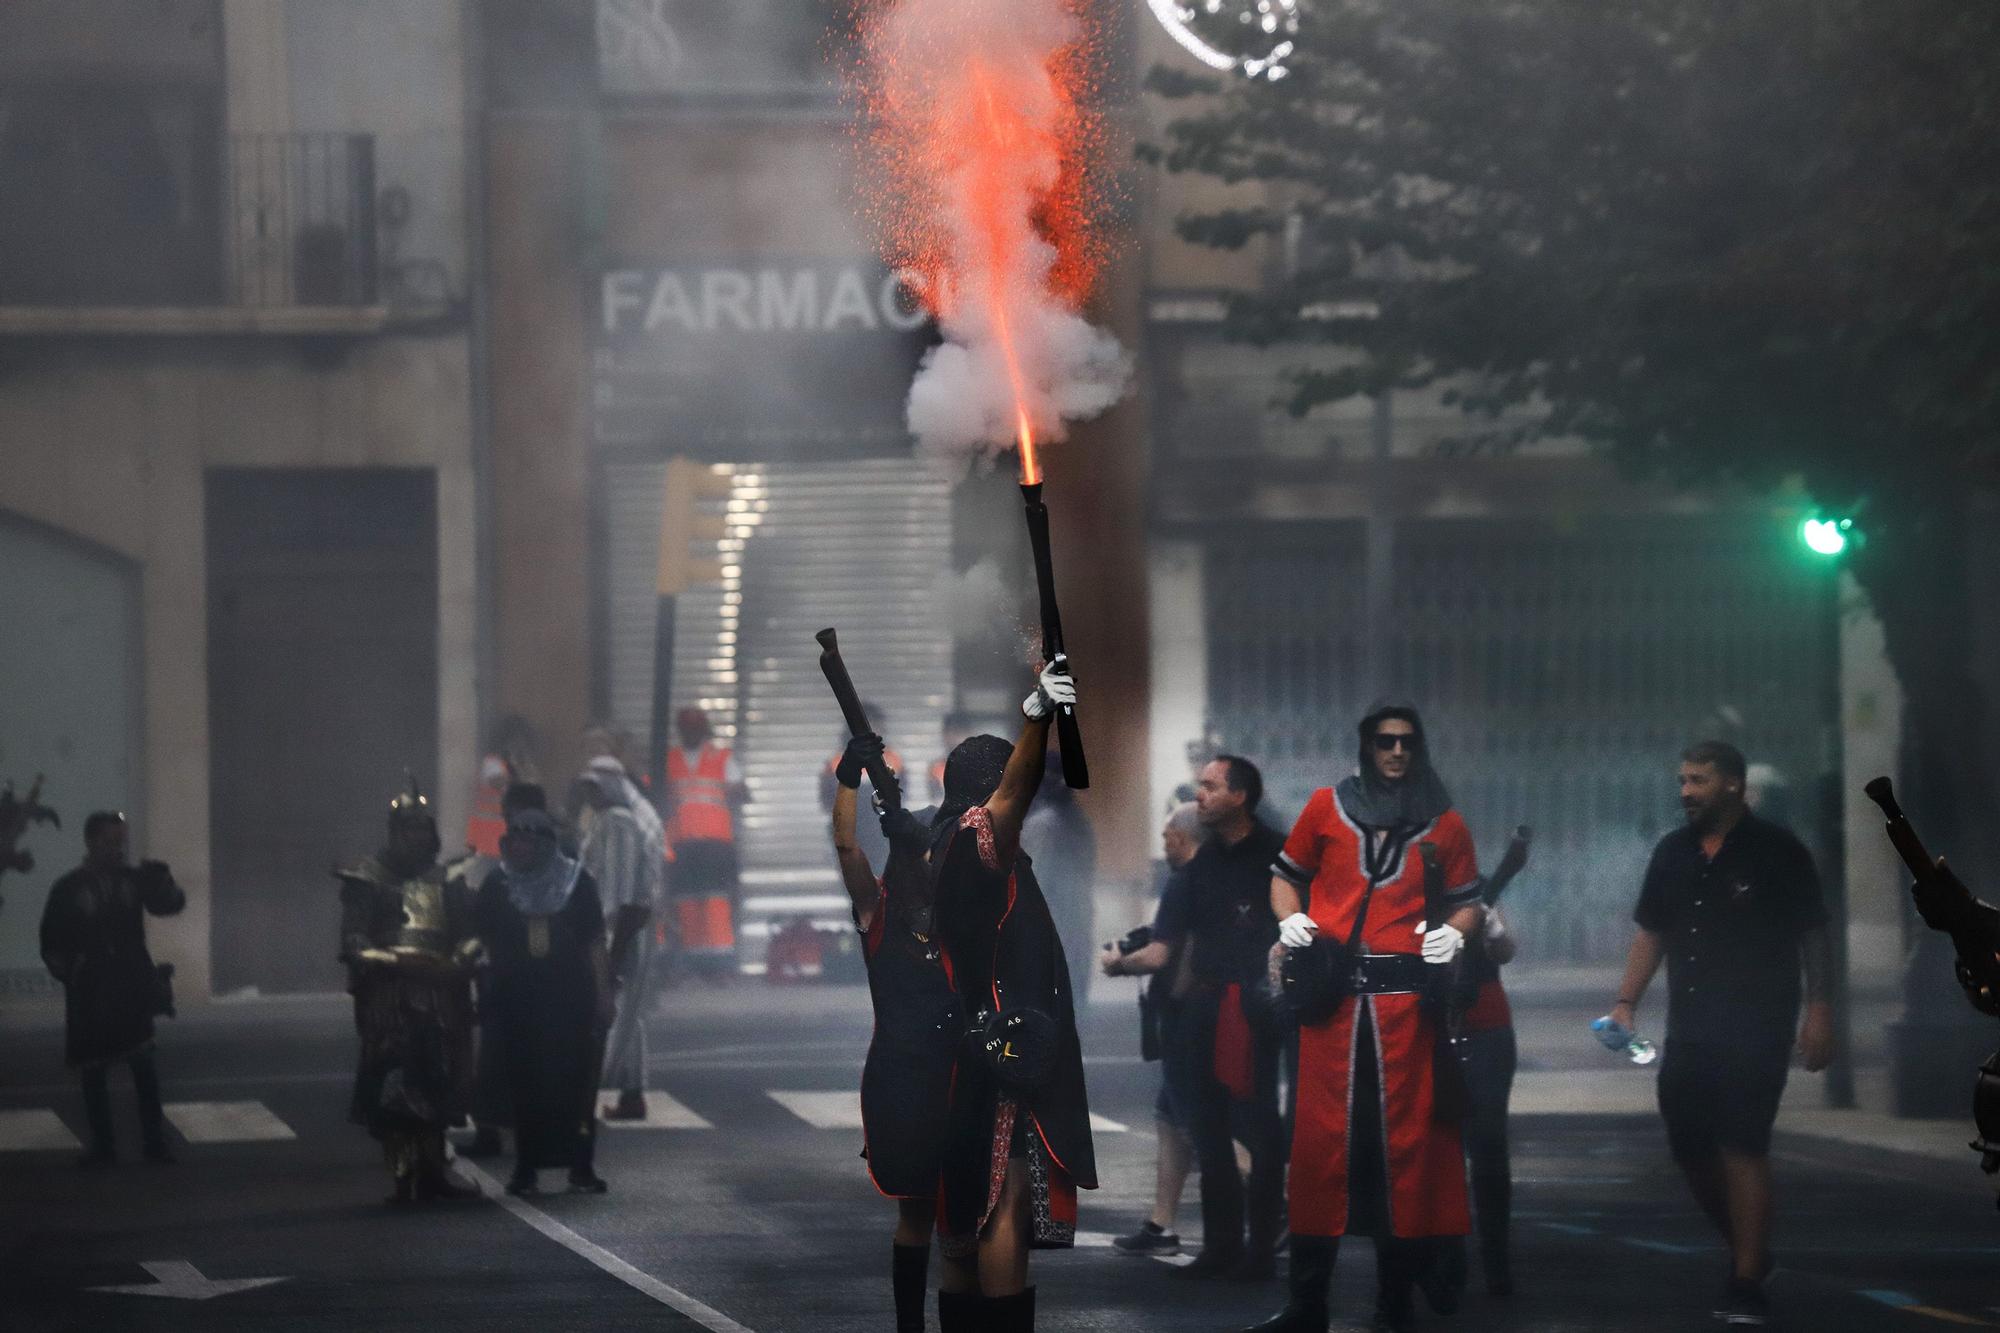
(237, 478)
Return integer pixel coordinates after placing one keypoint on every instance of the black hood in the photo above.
(972, 774)
(1372, 800)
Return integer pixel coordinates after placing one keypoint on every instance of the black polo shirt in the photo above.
(1732, 928)
(1221, 900)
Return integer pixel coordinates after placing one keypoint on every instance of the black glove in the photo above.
(905, 831)
(861, 751)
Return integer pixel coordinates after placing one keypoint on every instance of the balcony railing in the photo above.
(166, 228)
(300, 220)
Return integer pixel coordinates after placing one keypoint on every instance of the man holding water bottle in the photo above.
(1732, 903)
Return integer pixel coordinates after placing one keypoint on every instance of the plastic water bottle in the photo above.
(1617, 1037)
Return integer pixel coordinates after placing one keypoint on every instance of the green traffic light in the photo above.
(1825, 536)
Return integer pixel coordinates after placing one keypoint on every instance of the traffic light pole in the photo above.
(663, 696)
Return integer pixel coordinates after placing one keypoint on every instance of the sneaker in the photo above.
(1744, 1305)
(522, 1182)
(630, 1106)
(587, 1182)
(1150, 1239)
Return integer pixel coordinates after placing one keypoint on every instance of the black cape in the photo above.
(906, 1082)
(1005, 954)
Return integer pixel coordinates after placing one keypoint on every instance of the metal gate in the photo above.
(1560, 669)
(858, 545)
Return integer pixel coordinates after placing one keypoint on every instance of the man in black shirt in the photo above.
(1218, 908)
(1733, 904)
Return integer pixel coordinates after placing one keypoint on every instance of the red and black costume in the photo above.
(1372, 1154)
(1006, 956)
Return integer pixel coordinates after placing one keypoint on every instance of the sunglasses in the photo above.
(1386, 741)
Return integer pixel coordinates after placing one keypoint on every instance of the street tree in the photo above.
(1750, 246)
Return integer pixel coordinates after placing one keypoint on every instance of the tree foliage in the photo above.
(1726, 243)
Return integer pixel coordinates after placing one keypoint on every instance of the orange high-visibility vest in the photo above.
(700, 796)
(485, 824)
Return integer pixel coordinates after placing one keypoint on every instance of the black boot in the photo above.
(1011, 1314)
(97, 1110)
(909, 1271)
(1308, 1276)
(152, 1116)
(1221, 1225)
(1441, 1270)
(1397, 1264)
(960, 1312)
(1494, 1195)
(434, 1180)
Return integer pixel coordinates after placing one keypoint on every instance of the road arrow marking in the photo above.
(183, 1281)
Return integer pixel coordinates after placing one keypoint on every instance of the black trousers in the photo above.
(1489, 1077)
(1216, 1120)
(97, 1100)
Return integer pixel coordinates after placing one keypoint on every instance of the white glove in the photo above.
(1494, 928)
(1297, 930)
(1053, 690)
(1442, 945)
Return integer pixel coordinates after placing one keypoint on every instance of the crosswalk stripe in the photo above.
(842, 1110)
(35, 1130)
(822, 1110)
(662, 1112)
(227, 1122)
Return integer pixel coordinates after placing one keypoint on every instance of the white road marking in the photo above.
(662, 1112)
(822, 1110)
(35, 1130)
(637, 1279)
(227, 1122)
(180, 1280)
(1104, 1124)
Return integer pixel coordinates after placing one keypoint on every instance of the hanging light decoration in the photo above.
(1270, 28)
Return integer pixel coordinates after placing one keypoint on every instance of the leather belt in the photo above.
(1389, 974)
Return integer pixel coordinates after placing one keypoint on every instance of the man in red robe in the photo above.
(1372, 1152)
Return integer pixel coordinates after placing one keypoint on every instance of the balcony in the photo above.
(278, 237)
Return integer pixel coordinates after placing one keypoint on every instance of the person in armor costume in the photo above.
(906, 1081)
(407, 938)
(1017, 1138)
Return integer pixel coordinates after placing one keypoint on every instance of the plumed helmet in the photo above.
(411, 804)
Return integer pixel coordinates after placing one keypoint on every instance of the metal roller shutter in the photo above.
(859, 545)
(1560, 672)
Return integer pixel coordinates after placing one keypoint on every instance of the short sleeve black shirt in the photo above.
(1731, 927)
(1221, 901)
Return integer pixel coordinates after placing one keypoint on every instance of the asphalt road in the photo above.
(749, 1208)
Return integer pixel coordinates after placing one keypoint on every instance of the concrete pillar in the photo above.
(1176, 587)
